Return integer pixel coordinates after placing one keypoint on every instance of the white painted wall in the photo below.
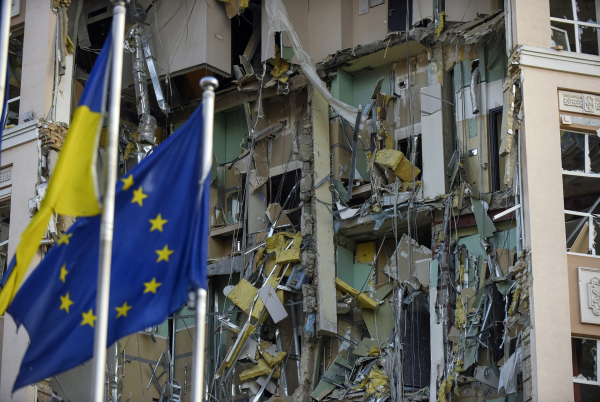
(23, 157)
(37, 77)
(490, 96)
(325, 27)
(434, 172)
(466, 10)
(185, 35)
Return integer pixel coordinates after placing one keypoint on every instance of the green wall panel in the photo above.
(364, 83)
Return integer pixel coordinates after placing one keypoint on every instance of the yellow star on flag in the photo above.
(122, 311)
(63, 273)
(138, 196)
(151, 286)
(158, 223)
(127, 182)
(88, 318)
(65, 302)
(64, 239)
(163, 255)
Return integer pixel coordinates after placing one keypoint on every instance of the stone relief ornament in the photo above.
(594, 295)
(589, 103)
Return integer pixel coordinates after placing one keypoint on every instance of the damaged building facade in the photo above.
(404, 202)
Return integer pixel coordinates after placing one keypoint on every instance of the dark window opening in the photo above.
(4, 228)
(406, 147)
(496, 163)
(97, 31)
(397, 15)
(15, 64)
(279, 190)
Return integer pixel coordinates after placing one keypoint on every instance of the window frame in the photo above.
(588, 382)
(15, 33)
(586, 173)
(591, 237)
(587, 168)
(577, 23)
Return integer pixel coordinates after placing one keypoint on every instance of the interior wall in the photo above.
(363, 84)
(325, 27)
(299, 17)
(473, 130)
(371, 26)
(422, 9)
(419, 78)
(230, 129)
(466, 10)
(143, 350)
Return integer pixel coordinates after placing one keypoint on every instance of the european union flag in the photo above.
(159, 252)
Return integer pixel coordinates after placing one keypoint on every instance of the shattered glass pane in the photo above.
(15, 62)
(561, 9)
(576, 186)
(586, 392)
(583, 204)
(577, 234)
(586, 10)
(594, 153)
(589, 39)
(12, 114)
(572, 146)
(584, 359)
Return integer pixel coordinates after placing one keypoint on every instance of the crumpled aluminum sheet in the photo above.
(147, 129)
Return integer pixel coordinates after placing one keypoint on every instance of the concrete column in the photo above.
(325, 265)
(545, 235)
(63, 98)
(531, 22)
(24, 159)
(37, 78)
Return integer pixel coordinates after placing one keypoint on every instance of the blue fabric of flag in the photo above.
(159, 253)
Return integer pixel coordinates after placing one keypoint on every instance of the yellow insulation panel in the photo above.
(364, 301)
(260, 368)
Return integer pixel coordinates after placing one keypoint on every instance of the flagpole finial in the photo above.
(209, 83)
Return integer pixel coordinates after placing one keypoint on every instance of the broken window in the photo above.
(4, 227)
(580, 152)
(575, 25)
(581, 190)
(15, 63)
(585, 369)
(245, 41)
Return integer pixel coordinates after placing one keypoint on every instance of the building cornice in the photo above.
(559, 60)
(20, 134)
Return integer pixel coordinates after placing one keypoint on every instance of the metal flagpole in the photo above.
(208, 84)
(4, 36)
(108, 214)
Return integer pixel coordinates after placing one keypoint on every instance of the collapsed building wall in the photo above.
(474, 263)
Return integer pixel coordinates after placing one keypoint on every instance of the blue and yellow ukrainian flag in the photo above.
(72, 187)
(159, 254)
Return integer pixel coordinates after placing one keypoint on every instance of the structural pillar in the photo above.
(325, 250)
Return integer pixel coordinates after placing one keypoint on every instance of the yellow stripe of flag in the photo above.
(72, 187)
